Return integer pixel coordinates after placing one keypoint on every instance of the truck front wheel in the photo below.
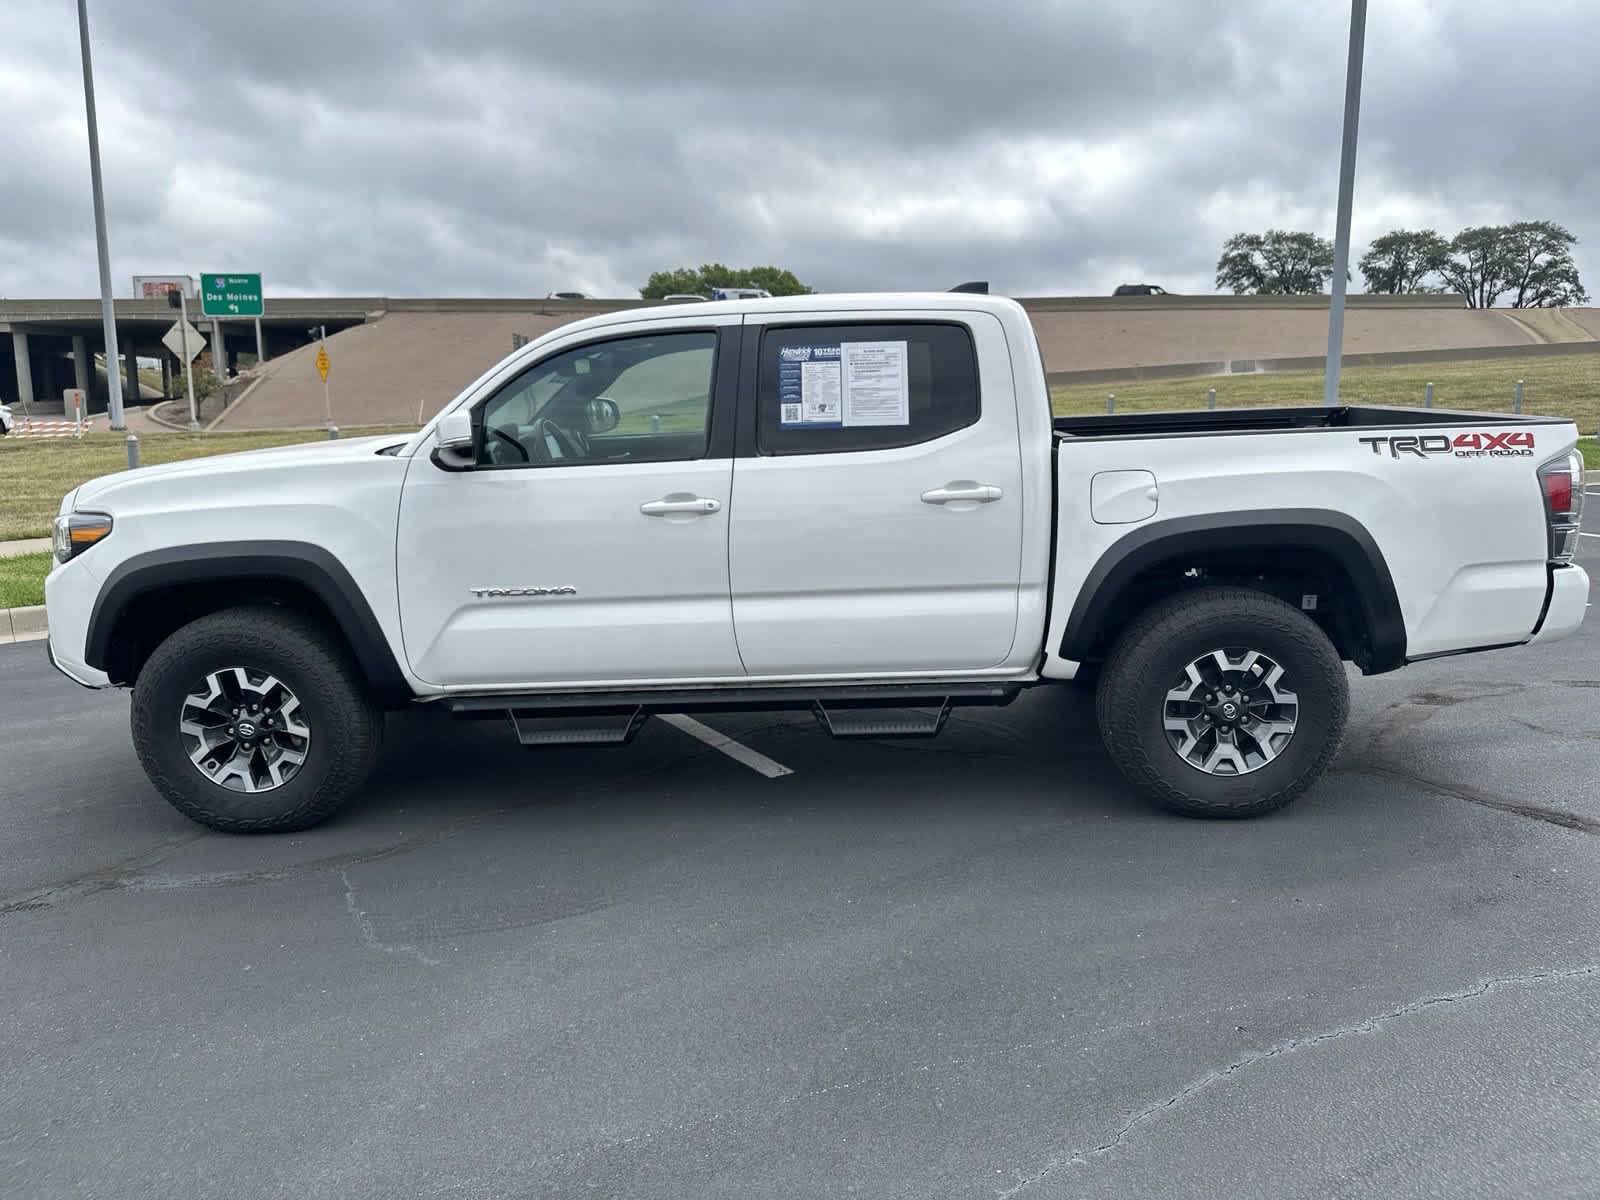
(1222, 702)
(254, 720)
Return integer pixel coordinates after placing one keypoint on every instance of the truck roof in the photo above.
(840, 302)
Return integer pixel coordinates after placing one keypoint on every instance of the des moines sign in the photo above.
(230, 295)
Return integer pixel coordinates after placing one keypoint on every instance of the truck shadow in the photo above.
(1040, 751)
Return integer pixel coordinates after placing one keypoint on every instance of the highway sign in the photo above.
(322, 363)
(230, 295)
(173, 340)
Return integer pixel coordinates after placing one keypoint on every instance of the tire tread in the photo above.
(1192, 614)
(271, 634)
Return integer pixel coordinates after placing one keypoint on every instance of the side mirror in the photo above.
(603, 414)
(454, 448)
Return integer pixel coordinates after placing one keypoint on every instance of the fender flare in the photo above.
(301, 563)
(1338, 536)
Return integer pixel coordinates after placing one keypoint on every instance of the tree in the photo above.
(1476, 266)
(683, 281)
(1402, 259)
(1540, 272)
(1277, 263)
(1530, 261)
(689, 280)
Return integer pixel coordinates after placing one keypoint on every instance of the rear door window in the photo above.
(829, 389)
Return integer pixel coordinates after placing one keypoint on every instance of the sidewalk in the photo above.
(25, 546)
(22, 625)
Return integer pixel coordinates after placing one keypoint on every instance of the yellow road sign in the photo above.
(322, 362)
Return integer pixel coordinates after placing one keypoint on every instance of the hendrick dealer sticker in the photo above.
(1510, 444)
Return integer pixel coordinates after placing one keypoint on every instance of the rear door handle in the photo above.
(697, 506)
(951, 493)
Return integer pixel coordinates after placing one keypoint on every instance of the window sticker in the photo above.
(875, 386)
(808, 387)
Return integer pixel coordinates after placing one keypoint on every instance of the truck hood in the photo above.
(278, 458)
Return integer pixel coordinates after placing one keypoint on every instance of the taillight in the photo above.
(1562, 482)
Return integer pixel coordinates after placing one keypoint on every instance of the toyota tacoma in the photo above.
(856, 505)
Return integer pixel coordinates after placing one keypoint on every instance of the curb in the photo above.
(154, 414)
(233, 404)
(23, 624)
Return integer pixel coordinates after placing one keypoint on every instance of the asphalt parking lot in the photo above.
(975, 966)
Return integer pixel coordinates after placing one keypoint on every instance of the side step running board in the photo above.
(874, 722)
(734, 699)
(591, 729)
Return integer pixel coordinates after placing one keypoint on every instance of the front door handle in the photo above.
(972, 493)
(696, 506)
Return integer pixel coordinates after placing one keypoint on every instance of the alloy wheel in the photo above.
(1229, 713)
(244, 730)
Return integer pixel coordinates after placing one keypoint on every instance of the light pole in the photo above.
(108, 317)
(1347, 187)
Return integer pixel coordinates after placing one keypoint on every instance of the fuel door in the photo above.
(1123, 497)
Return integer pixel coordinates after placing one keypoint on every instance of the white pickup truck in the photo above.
(858, 505)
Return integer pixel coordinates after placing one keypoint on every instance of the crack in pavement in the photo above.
(369, 935)
(132, 874)
(1461, 791)
(770, 1108)
(100, 879)
(1290, 1046)
(1402, 716)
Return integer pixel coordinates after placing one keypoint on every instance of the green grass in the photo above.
(22, 579)
(1565, 385)
(35, 474)
(1591, 453)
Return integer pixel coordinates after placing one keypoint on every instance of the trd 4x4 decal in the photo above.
(1507, 444)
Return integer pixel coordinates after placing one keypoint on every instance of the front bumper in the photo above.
(69, 595)
(1569, 600)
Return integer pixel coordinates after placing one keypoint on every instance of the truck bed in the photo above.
(1262, 420)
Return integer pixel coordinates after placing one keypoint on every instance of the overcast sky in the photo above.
(472, 147)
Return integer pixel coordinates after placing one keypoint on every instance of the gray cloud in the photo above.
(515, 147)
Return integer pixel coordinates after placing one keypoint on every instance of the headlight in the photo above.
(76, 532)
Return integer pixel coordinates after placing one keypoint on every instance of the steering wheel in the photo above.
(551, 443)
(511, 441)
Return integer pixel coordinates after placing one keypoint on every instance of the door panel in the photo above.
(577, 552)
(839, 564)
(650, 594)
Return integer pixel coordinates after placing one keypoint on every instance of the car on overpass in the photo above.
(1140, 289)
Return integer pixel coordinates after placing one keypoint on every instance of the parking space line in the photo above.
(737, 751)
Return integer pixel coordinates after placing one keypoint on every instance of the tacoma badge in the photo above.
(495, 593)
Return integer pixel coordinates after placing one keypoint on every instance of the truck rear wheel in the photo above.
(254, 720)
(1222, 702)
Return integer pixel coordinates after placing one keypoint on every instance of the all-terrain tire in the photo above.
(345, 723)
(1150, 658)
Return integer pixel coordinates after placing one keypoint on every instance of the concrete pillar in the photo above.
(82, 366)
(166, 376)
(130, 359)
(19, 347)
(219, 353)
